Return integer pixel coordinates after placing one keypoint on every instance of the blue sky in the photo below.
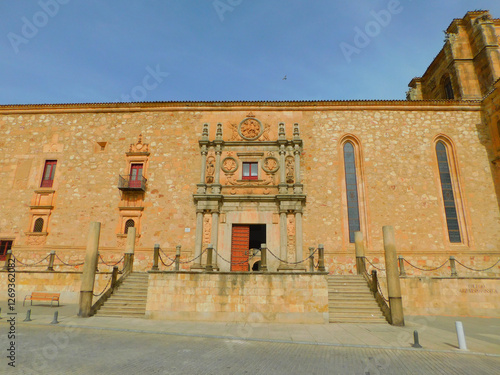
(81, 51)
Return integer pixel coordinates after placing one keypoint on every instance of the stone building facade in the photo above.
(291, 175)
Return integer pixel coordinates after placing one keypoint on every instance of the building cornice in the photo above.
(427, 105)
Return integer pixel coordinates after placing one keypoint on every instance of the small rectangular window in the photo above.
(48, 173)
(250, 171)
(4, 247)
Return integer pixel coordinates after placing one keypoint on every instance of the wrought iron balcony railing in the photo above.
(129, 182)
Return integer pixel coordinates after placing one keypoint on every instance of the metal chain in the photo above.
(380, 292)
(30, 264)
(301, 261)
(234, 263)
(100, 294)
(67, 264)
(428, 269)
(173, 260)
(111, 264)
(199, 256)
(374, 266)
(472, 269)
(161, 260)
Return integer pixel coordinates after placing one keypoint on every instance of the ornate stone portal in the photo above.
(250, 177)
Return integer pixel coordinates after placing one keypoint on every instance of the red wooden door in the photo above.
(240, 244)
(135, 175)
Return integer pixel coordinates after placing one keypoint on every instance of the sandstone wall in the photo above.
(238, 297)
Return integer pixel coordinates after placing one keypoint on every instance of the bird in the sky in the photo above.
(284, 78)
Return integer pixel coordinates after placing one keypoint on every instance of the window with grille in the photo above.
(450, 208)
(5, 246)
(351, 183)
(38, 227)
(129, 224)
(48, 173)
(250, 171)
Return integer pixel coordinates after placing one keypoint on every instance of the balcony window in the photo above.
(250, 171)
(48, 173)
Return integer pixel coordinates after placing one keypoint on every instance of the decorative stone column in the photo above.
(216, 187)
(215, 237)
(198, 240)
(299, 256)
(202, 186)
(297, 188)
(283, 241)
(283, 188)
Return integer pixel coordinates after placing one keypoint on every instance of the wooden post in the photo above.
(263, 257)
(360, 253)
(393, 284)
(8, 256)
(51, 261)
(177, 257)
(321, 261)
(453, 267)
(311, 259)
(402, 272)
(114, 277)
(209, 267)
(156, 255)
(89, 269)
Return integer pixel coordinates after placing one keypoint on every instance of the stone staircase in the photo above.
(351, 301)
(129, 300)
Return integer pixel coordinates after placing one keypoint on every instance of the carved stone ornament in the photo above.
(229, 164)
(250, 129)
(271, 164)
(139, 146)
(290, 169)
(210, 170)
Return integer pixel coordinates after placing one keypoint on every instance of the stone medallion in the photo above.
(250, 129)
(229, 165)
(271, 164)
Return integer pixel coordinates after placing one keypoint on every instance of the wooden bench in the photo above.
(42, 296)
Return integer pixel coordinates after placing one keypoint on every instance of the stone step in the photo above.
(124, 309)
(121, 315)
(358, 320)
(129, 297)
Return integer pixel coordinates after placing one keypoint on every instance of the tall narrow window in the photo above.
(450, 207)
(48, 173)
(448, 89)
(351, 190)
(135, 175)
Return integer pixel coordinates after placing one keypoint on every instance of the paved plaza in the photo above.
(130, 346)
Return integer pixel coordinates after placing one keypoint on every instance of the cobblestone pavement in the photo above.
(67, 350)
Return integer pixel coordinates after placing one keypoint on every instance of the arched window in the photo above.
(448, 88)
(450, 206)
(351, 182)
(129, 224)
(38, 227)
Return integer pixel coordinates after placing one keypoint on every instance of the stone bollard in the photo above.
(462, 345)
(373, 286)
(55, 321)
(311, 259)
(177, 257)
(360, 253)
(416, 343)
(8, 257)
(402, 272)
(321, 261)
(89, 270)
(114, 277)
(128, 262)
(263, 257)
(50, 267)
(393, 283)
(209, 267)
(156, 255)
(453, 267)
(28, 316)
